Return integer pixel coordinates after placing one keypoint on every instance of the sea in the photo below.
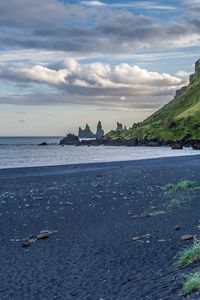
(24, 152)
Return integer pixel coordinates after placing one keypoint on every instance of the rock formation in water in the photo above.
(70, 139)
(119, 127)
(100, 132)
(86, 133)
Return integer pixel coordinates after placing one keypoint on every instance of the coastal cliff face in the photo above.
(179, 120)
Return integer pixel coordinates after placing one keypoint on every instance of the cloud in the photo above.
(147, 5)
(37, 73)
(95, 29)
(93, 3)
(98, 84)
(183, 74)
(94, 75)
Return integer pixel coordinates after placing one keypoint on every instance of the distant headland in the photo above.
(176, 124)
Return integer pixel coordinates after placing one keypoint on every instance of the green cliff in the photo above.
(179, 120)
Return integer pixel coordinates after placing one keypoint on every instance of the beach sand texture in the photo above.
(114, 230)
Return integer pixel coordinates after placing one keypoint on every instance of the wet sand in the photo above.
(96, 210)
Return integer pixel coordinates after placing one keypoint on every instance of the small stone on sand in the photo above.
(187, 237)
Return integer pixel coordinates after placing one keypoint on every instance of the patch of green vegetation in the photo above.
(189, 255)
(191, 284)
(182, 185)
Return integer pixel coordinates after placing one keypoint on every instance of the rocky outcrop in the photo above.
(89, 143)
(43, 144)
(197, 72)
(176, 146)
(85, 133)
(195, 145)
(88, 134)
(119, 127)
(70, 139)
(100, 132)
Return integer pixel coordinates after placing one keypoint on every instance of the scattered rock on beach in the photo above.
(28, 242)
(187, 237)
(177, 227)
(44, 234)
(135, 238)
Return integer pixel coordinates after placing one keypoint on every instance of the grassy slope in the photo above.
(178, 120)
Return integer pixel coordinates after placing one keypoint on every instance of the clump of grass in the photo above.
(191, 284)
(182, 185)
(189, 255)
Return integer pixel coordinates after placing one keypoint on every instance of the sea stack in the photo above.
(119, 127)
(100, 131)
(86, 133)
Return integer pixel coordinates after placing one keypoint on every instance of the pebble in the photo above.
(177, 227)
(44, 234)
(136, 238)
(28, 242)
(187, 237)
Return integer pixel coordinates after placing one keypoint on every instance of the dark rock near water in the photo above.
(177, 146)
(70, 139)
(131, 142)
(196, 145)
(43, 144)
(88, 143)
(153, 143)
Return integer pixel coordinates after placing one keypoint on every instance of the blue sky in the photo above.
(65, 63)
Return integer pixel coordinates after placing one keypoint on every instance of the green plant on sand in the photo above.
(182, 185)
(191, 284)
(189, 255)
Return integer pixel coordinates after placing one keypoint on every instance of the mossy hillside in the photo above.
(178, 120)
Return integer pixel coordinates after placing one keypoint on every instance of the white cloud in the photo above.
(93, 3)
(182, 74)
(37, 73)
(137, 4)
(96, 78)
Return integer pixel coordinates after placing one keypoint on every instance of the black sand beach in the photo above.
(96, 210)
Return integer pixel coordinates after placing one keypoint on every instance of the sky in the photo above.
(67, 63)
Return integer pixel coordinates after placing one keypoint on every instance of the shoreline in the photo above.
(74, 166)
